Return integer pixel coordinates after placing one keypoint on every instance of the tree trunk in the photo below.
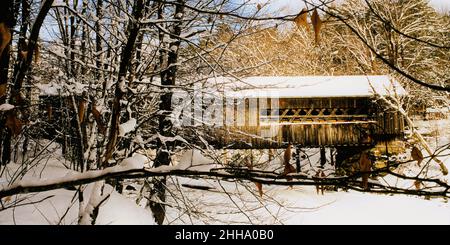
(5, 133)
(98, 42)
(7, 19)
(22, 47)
(121, 86)
(32, 42)
(168, 60)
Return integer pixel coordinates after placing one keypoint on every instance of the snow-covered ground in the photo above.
(61, 206)
(302, 205)
(228, 202)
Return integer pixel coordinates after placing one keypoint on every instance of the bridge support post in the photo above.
(331, 157)
(297, 159)
(323, 158)
(225, 156)
(270, 153)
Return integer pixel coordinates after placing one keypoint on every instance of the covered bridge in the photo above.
(310, 111)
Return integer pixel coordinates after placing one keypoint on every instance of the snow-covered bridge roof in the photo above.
(310, 86)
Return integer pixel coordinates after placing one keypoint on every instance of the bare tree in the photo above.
(109, 70)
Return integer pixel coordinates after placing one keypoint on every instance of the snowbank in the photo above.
(62, 206)
(301, 205)
(127, 127)
(6, 107)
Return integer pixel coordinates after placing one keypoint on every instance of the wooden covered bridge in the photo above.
(309, 111)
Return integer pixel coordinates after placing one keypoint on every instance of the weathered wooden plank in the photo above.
(307, 121)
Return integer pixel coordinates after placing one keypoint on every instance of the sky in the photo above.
(294, 6)
(441, 5)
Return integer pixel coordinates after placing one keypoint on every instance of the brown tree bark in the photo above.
(7, 21)
(168, 59)
(121, 84)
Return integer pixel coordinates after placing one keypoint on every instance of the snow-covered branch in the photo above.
(263, 177)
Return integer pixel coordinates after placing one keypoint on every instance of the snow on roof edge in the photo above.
(310, 86)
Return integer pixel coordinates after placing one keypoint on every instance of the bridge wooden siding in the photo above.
(321, 121)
